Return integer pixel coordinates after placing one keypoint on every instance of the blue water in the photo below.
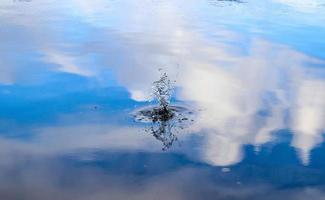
(72, 73)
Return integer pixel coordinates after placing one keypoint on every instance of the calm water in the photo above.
(249, 76)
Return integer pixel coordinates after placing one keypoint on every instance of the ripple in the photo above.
(165, 122)
(154, 114)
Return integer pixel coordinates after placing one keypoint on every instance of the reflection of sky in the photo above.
(71, 73)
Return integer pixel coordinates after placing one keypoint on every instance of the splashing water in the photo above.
(161, 90)
(166, 120)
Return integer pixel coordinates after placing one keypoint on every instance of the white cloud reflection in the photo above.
(231, 88)
(243, 94)
(308, 116)
(308, 6)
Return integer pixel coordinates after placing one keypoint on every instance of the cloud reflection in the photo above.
(243, 93)
(243, 96)
(308, 6)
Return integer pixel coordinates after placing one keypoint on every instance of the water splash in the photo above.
(161, 90)
(165, 120)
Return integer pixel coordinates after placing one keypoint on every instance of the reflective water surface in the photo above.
(247, 86)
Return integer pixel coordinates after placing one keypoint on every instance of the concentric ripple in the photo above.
(158, 114)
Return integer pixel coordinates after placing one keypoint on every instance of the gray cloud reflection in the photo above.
(40, 180)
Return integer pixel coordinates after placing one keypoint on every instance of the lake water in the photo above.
(247, 89)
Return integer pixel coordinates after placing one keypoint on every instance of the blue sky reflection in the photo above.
(71, 74)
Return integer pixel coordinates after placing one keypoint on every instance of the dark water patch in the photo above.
(219, 2)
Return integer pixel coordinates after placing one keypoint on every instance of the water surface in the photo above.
(250, 74)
